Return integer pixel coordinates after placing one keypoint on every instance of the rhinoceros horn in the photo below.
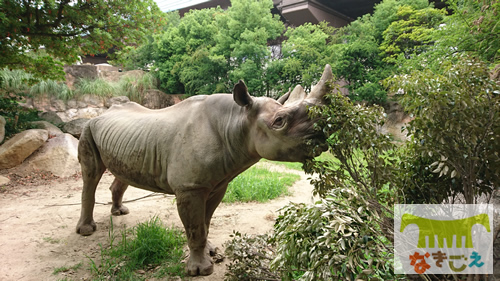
(298, 94)
(323, 85)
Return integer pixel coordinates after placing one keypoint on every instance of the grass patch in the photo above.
(149, 250)
(51, 240)
(259, 184)
(325, 156)
(67, 268)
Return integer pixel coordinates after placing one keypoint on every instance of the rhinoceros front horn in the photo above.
(323, 86)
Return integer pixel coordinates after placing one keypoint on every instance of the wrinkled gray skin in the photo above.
(193, 150)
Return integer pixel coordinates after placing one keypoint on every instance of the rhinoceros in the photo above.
(193, 150)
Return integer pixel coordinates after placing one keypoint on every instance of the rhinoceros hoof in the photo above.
(199, 266)
(86, 229)
(122, 210)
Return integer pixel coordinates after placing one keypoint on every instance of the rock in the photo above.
(116, 100)
(91, 100)
(71, 104)
(75, 127)
(58, 156)
(53, 130)
(156, 99)
(58, 105)
(90, 112)
(2, 128)
(15, 150)
(396, 121)
(4, 180)
(81, 71)
(51, 117)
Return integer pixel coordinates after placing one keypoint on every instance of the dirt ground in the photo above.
(37, 224)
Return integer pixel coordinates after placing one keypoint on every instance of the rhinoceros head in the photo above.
(282, 130)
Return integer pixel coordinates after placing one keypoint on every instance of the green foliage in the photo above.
(456, 123)
(17, 117)
(332, 239)
(411, 33)
(211, 49)
(69, 29)
(151, 244)
(473, 28)
(304, 53)
(258, 184)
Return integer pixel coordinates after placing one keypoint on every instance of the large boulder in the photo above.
(116, 100)
(156, 99)
(58, 156)
(50, 116)
(75, 127)
(53, 130)
(2, 128)
(15, 150)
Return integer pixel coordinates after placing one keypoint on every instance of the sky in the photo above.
(171, 5)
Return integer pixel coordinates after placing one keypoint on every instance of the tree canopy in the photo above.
(41, 36)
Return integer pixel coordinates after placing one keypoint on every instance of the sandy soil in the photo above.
(37, 225)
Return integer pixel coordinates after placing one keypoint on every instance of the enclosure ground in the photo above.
(37, 224)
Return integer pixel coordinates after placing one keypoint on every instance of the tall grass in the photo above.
(97, 87)
(18, 81)
(51, 88)
(135, 88)
(15, 81)
(259, 184)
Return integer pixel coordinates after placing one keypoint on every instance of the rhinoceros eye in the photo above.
(279, 122)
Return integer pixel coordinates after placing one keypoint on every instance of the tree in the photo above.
(473, 28)
(456, 122)
(412, 33)
(184, 49)
(66, 29)
(304, 52)
(243, 32)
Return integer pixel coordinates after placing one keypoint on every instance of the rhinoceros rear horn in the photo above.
(323, 85)
(240, 94)
(298, 94)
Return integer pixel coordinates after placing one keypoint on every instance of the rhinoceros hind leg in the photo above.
(118, 188)
(92, 170)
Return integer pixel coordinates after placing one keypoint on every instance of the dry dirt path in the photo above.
(37, 225)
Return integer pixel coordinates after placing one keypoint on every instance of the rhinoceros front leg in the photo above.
(213, 202)
(92, 170)
(191, 207)
(118, 188)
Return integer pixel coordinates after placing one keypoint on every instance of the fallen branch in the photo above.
(109, 203)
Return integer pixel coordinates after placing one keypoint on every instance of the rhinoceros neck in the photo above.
(233, 128)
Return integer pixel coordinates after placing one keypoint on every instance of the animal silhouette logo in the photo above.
(443, 238)
(445, 229)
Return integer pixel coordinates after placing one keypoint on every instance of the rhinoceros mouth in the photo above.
(316, 143)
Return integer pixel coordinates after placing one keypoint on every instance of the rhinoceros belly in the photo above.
(132, 151)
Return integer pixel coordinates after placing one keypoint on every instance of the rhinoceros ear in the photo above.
(284, 97)
(240, 94)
